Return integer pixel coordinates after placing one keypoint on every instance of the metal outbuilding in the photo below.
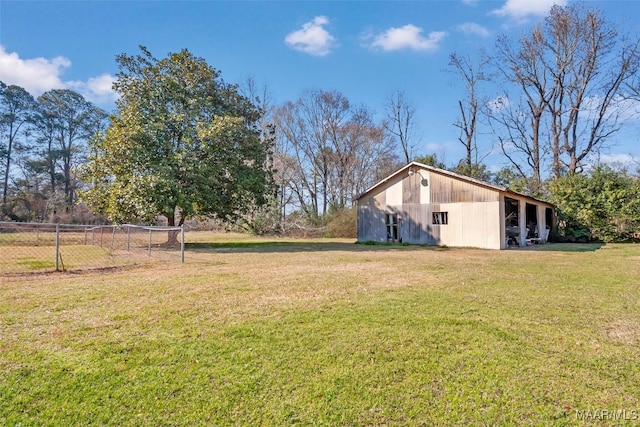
(420, 204)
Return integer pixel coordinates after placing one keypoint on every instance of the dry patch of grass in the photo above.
(625, 331)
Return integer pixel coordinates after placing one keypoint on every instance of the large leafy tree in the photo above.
(183, 143)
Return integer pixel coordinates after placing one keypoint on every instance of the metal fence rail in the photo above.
(26, 247)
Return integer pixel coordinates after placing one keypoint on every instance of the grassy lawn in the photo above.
(325, 332)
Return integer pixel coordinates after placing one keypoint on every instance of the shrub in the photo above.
(604, 203)
(342, 223)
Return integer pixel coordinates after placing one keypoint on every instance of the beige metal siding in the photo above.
(470, 224)
(475, 212)
(393, 196)
(425, 190)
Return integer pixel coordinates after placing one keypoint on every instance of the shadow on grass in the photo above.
(306, 246)
(563, 247)
(270, 246)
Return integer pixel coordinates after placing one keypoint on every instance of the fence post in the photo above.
(182, 243)
(149, 243)
(128, 237)
(57, 246)
(101, 233)
(113, 237)
(85, 237)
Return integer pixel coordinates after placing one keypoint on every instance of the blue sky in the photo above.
(365, 50)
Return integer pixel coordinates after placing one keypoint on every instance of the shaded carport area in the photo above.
(526, 221)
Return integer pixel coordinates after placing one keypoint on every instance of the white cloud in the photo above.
(616, 161)
(312, 38)
(520, 9)
(498, 104)
(38, 75)
(433, 147)
(624, 110)
(96, 89)
(470, 2)
(625, 160)
(473, 29)
(629, 109)
(408, 37)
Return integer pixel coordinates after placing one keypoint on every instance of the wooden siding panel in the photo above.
(445, 189)
(416, 227)
(411, 223)
(371, 224)
(450, 234)
(372, 210)
(482, 225)
(411, 189)
(469, 224)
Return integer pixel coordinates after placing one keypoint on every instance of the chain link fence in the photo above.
(34, 247)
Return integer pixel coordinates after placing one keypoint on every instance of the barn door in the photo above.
(393, 230)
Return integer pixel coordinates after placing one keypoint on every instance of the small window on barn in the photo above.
(440, 218)
(392, 227)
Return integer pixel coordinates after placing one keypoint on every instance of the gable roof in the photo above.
(450, 174)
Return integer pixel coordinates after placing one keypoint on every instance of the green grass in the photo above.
(35, 264)
(18, 260)
(281, 332)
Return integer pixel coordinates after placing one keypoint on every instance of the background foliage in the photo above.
(604, 202)
(184, 143)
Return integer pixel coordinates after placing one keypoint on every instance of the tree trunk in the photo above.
(172, 235)
(6, 172)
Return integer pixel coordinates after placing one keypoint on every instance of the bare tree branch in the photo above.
(400, 122)
(471, 73)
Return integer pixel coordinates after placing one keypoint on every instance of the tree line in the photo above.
(554, 101)
(44, 142)
(184, 143)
